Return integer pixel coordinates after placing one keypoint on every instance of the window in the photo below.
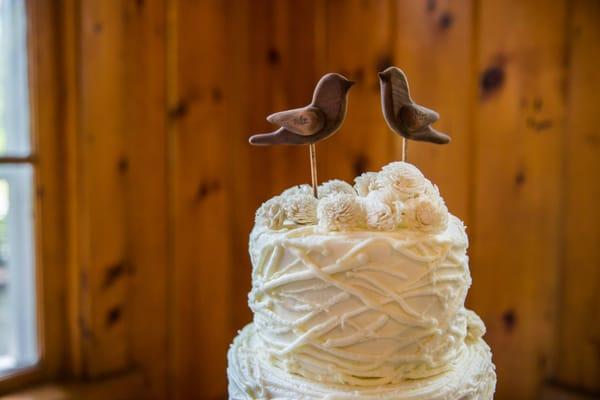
(18, 333)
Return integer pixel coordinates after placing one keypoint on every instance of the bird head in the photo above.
(338, 79)
(331, 86)
(335, 79)
(386, 75)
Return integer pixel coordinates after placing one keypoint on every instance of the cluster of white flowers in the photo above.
(398, 197)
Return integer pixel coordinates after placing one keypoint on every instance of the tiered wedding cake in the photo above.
(360, 295)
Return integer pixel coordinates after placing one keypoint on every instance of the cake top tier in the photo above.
(398, 197)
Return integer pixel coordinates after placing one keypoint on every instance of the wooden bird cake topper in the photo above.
(313, 123)
(403, 115)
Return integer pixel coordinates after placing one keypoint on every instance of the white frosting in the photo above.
(470, 376)
(360, 308)
(360, 294)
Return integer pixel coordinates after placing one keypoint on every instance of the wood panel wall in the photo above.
(162, 184)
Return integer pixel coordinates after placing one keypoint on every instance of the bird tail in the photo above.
(263, 139)
(432, 136)
(280, 136)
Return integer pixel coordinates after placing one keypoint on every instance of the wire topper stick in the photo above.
(313, 169)
(312, 123)
(405, 117)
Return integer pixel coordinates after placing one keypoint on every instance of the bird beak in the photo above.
(350, 84)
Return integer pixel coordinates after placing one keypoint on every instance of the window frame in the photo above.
(46, 100)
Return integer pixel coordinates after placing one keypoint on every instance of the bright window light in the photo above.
(18, 332)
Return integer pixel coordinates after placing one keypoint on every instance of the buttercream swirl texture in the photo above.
(360, 294)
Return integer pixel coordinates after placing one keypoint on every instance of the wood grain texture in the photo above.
(515, 223)
(578, 363)
(145, 168)
(161, 185)
(562, 392)
(121, 191)
(70, 112)
(439, 69)
(200, 289)
(46, 128)
(105, 314)
(240, 180)
(357, 37)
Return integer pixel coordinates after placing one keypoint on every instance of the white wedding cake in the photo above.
(360, 295)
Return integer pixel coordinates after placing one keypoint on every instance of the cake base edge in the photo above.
(472, 377)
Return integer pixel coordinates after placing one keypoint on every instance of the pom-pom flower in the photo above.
(335, 186)
(384, 195)
(271, 213)
(301, 208)
(365, 183)
(380, 216)
(425, 214)
(403, 179)
(339, 212)
(298, 189)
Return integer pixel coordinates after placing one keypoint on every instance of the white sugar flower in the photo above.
(399, 210)
(384, 195)
(425, 214)
(365, 183)
(271, 213)
(340, 211)
(298, 189)
(301, 208)
(404, 179)
(335, 186)
(380, 216)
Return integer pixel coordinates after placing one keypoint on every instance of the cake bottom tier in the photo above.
(470, 377)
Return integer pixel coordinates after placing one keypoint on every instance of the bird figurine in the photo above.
(402, 114)
(313, 123)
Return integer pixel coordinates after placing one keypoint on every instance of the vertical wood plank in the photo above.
(72, 174)
(201, 329)
(578, 363)
(433, 44)
(145, 164)
(46, 128)
(105, 322)
(241, 174)
(518, 121)
(122, 220)
(357, 44)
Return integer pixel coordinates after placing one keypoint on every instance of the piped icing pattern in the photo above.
(360, 308)
(397, 198)
(470, 376)
(360, 294)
